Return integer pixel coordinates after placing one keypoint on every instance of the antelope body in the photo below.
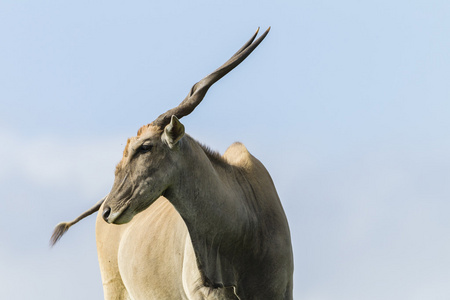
(193, 224)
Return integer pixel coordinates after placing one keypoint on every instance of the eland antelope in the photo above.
(194, 224)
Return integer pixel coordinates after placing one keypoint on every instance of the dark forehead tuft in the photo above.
(150, 126)
(142, 129)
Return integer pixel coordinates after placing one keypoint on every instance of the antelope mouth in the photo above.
(129, 209)
(118, 216)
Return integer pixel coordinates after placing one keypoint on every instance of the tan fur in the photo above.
(238, 155)
(158, 237)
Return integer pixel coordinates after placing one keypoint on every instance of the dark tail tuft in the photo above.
(59, 231)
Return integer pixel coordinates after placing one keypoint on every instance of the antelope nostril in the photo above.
(106, 213)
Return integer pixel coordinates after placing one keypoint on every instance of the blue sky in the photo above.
(345, 102)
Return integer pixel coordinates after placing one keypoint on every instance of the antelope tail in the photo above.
(62, 227)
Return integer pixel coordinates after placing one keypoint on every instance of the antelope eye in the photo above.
(145, 147)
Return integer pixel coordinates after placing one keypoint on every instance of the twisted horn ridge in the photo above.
(198, 90)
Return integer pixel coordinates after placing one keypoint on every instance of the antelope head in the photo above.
(150, 163)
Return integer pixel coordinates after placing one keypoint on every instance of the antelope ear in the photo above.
(173, 132)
